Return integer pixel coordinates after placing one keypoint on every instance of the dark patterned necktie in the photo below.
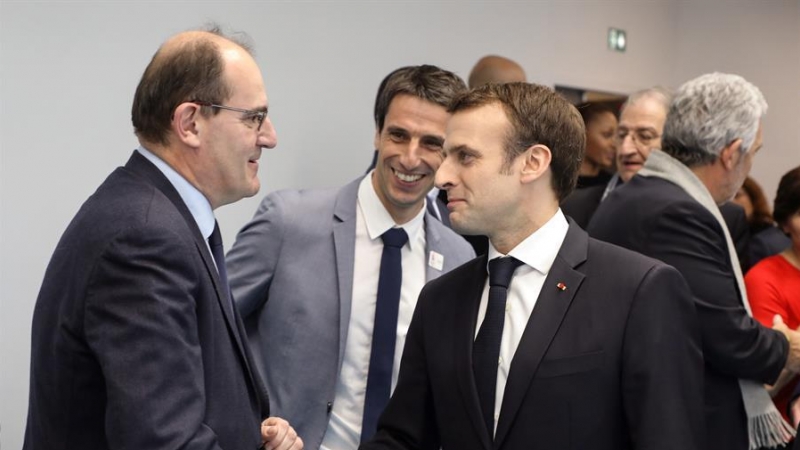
(217, 251)
(486, 349)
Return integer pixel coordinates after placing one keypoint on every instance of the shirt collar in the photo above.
(197, 203)
(540, 249)
(378, 219)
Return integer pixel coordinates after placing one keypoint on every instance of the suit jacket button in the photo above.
(330, 407)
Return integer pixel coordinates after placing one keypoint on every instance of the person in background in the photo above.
(538, 344)
(136, 342)
(669, 211)
(639, 131)
(598, 159)
(495, 69)
(773, 285)
(327, 279)
(766, 239)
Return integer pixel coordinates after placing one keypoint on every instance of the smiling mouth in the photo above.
(407, 177)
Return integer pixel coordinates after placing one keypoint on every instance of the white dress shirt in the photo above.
(372, 220)
(537, 252)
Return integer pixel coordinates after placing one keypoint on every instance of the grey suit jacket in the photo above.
(291, 272)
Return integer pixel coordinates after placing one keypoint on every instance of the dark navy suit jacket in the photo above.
(135, 344)
(612, 361)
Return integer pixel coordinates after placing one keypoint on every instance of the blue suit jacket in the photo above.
(135, 345)
(291, 271)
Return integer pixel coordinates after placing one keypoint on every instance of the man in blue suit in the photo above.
(136, 344)
(306, 271)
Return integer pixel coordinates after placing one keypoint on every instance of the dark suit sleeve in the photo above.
(141, 324)
(252, 260)
(409, 421)
(736, 220)
(662, 373)
(688, 237)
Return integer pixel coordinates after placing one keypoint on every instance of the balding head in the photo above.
(495, 69)
(188, 66)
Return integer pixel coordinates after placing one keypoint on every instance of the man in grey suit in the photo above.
(305, 272)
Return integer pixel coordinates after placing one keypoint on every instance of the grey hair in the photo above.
(658, 93)
(708, 113)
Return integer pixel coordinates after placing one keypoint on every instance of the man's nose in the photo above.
(410, 157)
(627, 145)
(267, 137)
(444, 175)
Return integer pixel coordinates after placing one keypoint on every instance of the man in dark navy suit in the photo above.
(136, 342)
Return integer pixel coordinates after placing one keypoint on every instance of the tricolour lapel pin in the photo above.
(561, 286)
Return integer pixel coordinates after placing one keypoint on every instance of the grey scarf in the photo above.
(765, 425)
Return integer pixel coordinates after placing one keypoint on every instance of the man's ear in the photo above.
(185, 124)
(730, 155)
(536, 161)
(377, 138)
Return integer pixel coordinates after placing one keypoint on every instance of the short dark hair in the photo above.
(538, 115)
(787, 200)
(590, 110)
(427, 82)
(192, 70)
(761, 217)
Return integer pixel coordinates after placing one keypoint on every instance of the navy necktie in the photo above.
(384, 333)
(217, 251)
(486, 349)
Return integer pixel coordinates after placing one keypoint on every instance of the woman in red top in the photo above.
(773, 285)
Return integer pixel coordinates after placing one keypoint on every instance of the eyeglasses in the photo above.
(256, 118)
(643, 136)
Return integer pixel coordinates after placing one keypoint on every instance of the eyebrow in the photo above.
(395, 128)
(459, 149)
(432, 139)
(638, 128)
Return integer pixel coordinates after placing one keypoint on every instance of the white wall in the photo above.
(68, 71)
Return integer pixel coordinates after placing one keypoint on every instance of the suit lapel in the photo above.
(468, 295)
(543, 324)
(344, 244)
(139, 165)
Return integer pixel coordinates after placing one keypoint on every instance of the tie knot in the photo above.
(215, 240)
(395, 237)
(501, 270)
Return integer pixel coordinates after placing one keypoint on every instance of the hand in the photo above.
(794, 412)
(783, 379)
(793, 336)
(277, 434)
